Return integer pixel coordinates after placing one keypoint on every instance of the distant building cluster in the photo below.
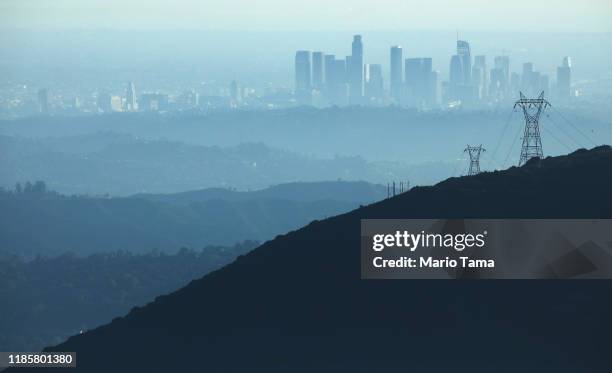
(321, 80)
(19, 101)
(325, 80)
(146, 102)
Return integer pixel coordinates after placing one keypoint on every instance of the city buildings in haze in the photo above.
(43, 101)
(374, 87)
(420, 83)
(355, 71)
(302, 77)
(464, 53)
(564, 74)
(318, 70)
(396, 75)
(153, 102)
(480, 77)
(130, 97)
(321, 80)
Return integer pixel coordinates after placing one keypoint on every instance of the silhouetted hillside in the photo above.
(88, 225)
(297, 303)
(54, 298)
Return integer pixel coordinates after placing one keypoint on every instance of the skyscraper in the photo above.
(43, 101)
(429, 82)
(456, 76)
(456, 70)
(153, 102)
(515, 85)
(544, 83)
(355, 69)
(374, 90)
(503, 63)
(480, 60)
(104, 102)
(318, 70)
(130, 97)
(328, 61)
(480, 77)
(460, 87)
(564, 74)
(432, 99)
(418, 72)
(349, 65)
(500, 78)
(527, 79)
(115, 103)
(463, 51)
(302, 77)
(234, 95)
(497, 84)
(396, 73)
(189, 99)
(335, 80)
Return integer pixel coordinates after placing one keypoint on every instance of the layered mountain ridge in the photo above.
(297, 303)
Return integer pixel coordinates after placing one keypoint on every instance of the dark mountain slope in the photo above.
(297, 303)
(53, 298)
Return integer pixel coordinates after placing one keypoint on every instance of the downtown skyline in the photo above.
(179, 79)
(410, 81)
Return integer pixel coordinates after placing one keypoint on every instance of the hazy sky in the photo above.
(353, 15)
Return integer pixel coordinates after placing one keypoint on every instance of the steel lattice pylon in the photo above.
(474, 152)
(532, 141)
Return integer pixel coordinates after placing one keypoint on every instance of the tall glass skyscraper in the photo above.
(564, 74)
(302, 77)
(480, 76)
(396, 73)
(328, 61)
(503, 63)
(355, 69)
(318, 69)
(456, 86)
(499, 78)
(420, 90)
(43, 101)
(337, 87)
(130, 97)
(456, 70)
(463, 51)
(374, 90)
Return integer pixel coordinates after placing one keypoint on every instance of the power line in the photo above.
(511, 147)
(556, 138)
(560, 128)
(574, 126)
(506, 125)
(497, 164)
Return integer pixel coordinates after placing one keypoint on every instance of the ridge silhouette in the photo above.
(297, 303)
(197, 218)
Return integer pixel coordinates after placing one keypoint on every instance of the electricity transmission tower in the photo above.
(532, 141)
(474, 152)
